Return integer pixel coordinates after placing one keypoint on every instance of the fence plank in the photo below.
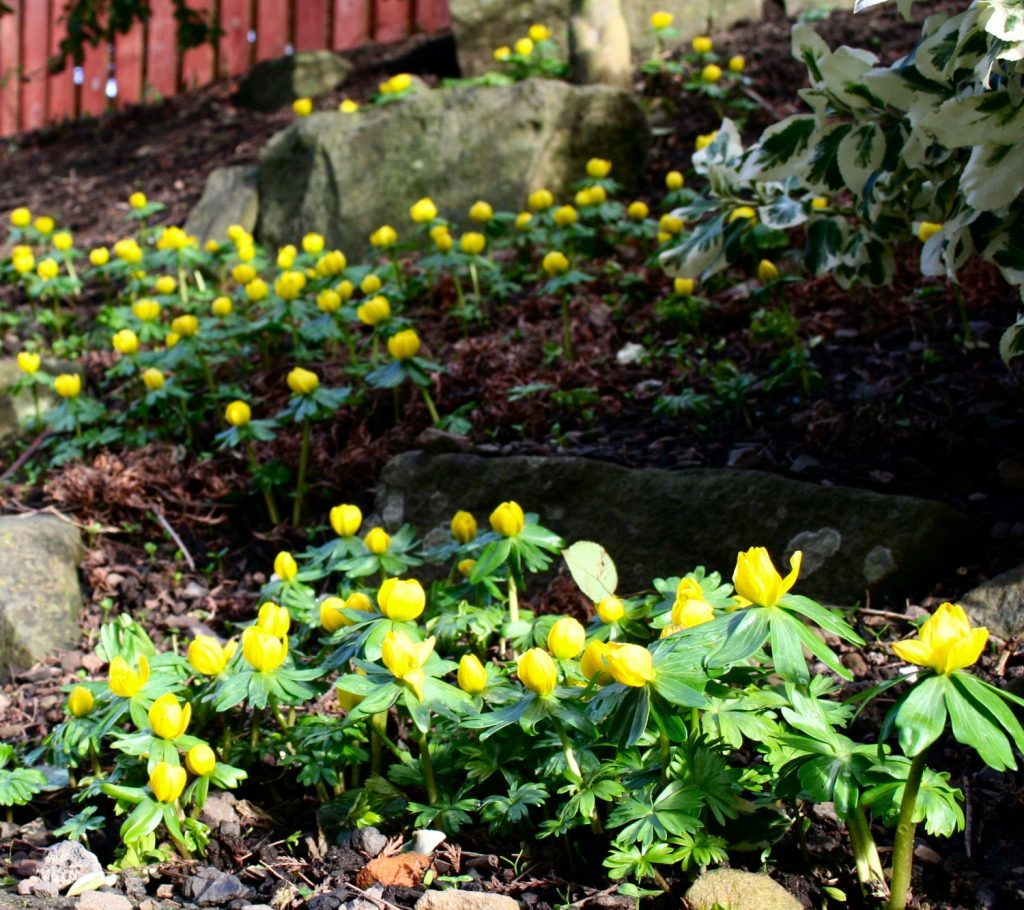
(197, 63)
(432, 15)
(60, 87)
(10, 64)
(129, 65)
(311, 25)
(95, 69)
(235, 49)
(35, 47)
(351, 23)
(161, 51)
(391, 20)
(271, 28)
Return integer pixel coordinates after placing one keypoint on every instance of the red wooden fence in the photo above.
(145, 64)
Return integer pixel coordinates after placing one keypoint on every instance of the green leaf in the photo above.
(746, 631)
(145, 817)
(975, 726)
(787, 653)
(920, 717)
(592, 569)
(495, 554)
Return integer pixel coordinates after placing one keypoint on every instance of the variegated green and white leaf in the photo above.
(782, 150)
(843, 73)
(994, 176)
(700, 254)
(860, 154)
(808, 47)
(782, 213)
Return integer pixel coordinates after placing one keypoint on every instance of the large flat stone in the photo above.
(344, 175)
(658, 523)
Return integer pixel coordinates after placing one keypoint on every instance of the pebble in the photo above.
(211, 886)
(465, 900)
(65, 863)
(368, 841)
(103, 900)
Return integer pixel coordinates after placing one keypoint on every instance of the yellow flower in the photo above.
(610, 609)
(328, 301)
(472, 242)
(737, 63)
(128, 250)
(68, 385)
(331, 617)
(501, 54)
(465, 567)
(201, 760)
(286, 256)
(370, 284)
(330, 264)
(592, 662)
(537, 671)
(99, 256)
(243, 273)
(377, 541)
(221, 307)
(45, 224)
(481, 211)
(508, 519)
(384, 236)
(125, 681)
(818, 203)
(374, 311)
(402, 600)
(405, 658)
(670, 224)
(80, 702)
(167, 782)
(690, 612)
(23, 260)
(523, 220)
(212, 246)
(21, 217)
(638, 211)
(63, 241)
(472, 676)
(539, 33)
(404, 345)
(290, 284)
(257, 290)
(153, 379)
(125, 342)
(423, 210)
(345, 289)
(674, 180)
(186, 326)
(927, 230)
(348, 106)
(566, 638)
(704, 140)
(524, 47)
(767, 271)
(48, 269)
(346, 519)
(756, 579)
(302, 107)
(945, 642)
(631, 665)
(711, 73)
(274, 619)
(540, 200)
(174, 238)
(28, 362)
(357, 600)
(138, 200)
(565, 216)
(167, 718)
(285, 566)
(238, 413)
(683, 286)
(171, 339)
(463, 526)
(702, 44)
(263, 651)
(303, 382)
(598, 168)
(555, 263)
(208, 656)
(744, 212)
(661, 20)
(165, 284)
(145, 309)
(313, 243)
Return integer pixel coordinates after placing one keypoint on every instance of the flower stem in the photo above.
(429, 402)
(428, 770)
(865, 853)
(475, 278)
(903, 845)
(268, 497)
(567, 350)
(300, 487)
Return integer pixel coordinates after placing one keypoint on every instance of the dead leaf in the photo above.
(405, 870)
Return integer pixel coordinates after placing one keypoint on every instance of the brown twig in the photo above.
(174, 536)
(31, 450)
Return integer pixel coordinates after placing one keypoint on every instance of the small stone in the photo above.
(211, 886)
(323, 902)
(739, 890)
(435, 440)
(165, 891)
(368, 841)
(803, 463)
(220, 813)
(927, 855)
(856, 664)
(630, 353)
(103, 900)
(426, 840)
(67, 862)
(465, 900)
(262, 907)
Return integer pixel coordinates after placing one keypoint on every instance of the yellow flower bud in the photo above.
(138, 200)
(744, 212)
(927, 229)
(243, 273)
(472, 242)
(80, 702)
(221, 307)
(28, 362)
(566, 638)
(423, 210)
(99, 256)
(538, 33)
(185, 326)
(370, 284)
(555, 263)
(406, 658)
(598, 168)
(610, 609)
(201, 760)
(257, 290)
(384, 236)
(125, 342)
(565, 216)
(592, 662)
(704, 140)
(263, 651)
(313, 243)
(374, 311)
(145, 309)
(463, 526)
(153, 379)
(631, 665)
(501, 54)
(523, 220)
(818, 203)
(238, 413)
(63, 241)
(402, 600)
(331, 617)
(208, 656)
(167, 782)
(683, 286)
(332, 263)
(472, 676)
(346, 520)
(125, 681)
(348, 106)
(537, 671)
(508, 519)
(690, 612)
(165, 284)
(171, 339)
(540, 200)
(377, 541)
(524, 47)
(670, 224)
(674, 180)
(465, 567)
(68, 385)
(167, 718)
(303, 382)
(637, 211)
(711, 73)
(661, 20)
(737, 63)
(767, 271)
(45, 225)
(48, 269)
(285, 566)
(289, 285)
(702, 44)
(302, 107)
(404, 345)
(21, 217)
(274, 619)
(756, 579)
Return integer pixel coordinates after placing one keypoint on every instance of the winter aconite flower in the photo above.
(21, 217)
(463, 526)
(346, 520)
(263, 651)
(402, 600)
(405, 659)
(661, 20)
(285, 566)
(274, 619)
(610, 609)
(704, 140)
(404, 345)
(208, 656)
(28, 362)
(683, 286)
(423, 211)
(524, 47)
(125, 342)
(167, 782)
(537, 671)
(631, 665)
(302, 107)
(201, 760)
(80, 702)
(756, 579)
(540, 200)
(238, 413)
(637, 211)
(927, 229)
(384, 236)
(138, 200)
(152, 379)
(508, 519)
(945, 642)
(146, 309)
(538, 32)
(167, 718)
(377, 541)
(186, 326)
(332, 616)
(598, 168)
(472, 676)
(472, 242)
(303, 382)
(221, 307)
(565, 215)
(767, 271)
(737, 63)
(374, 311)
(126, 681)
(348, 106)
(68, 385)
(566, 638)
(555, 263)
(702, 44)
(711, 73)
(592, 663)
